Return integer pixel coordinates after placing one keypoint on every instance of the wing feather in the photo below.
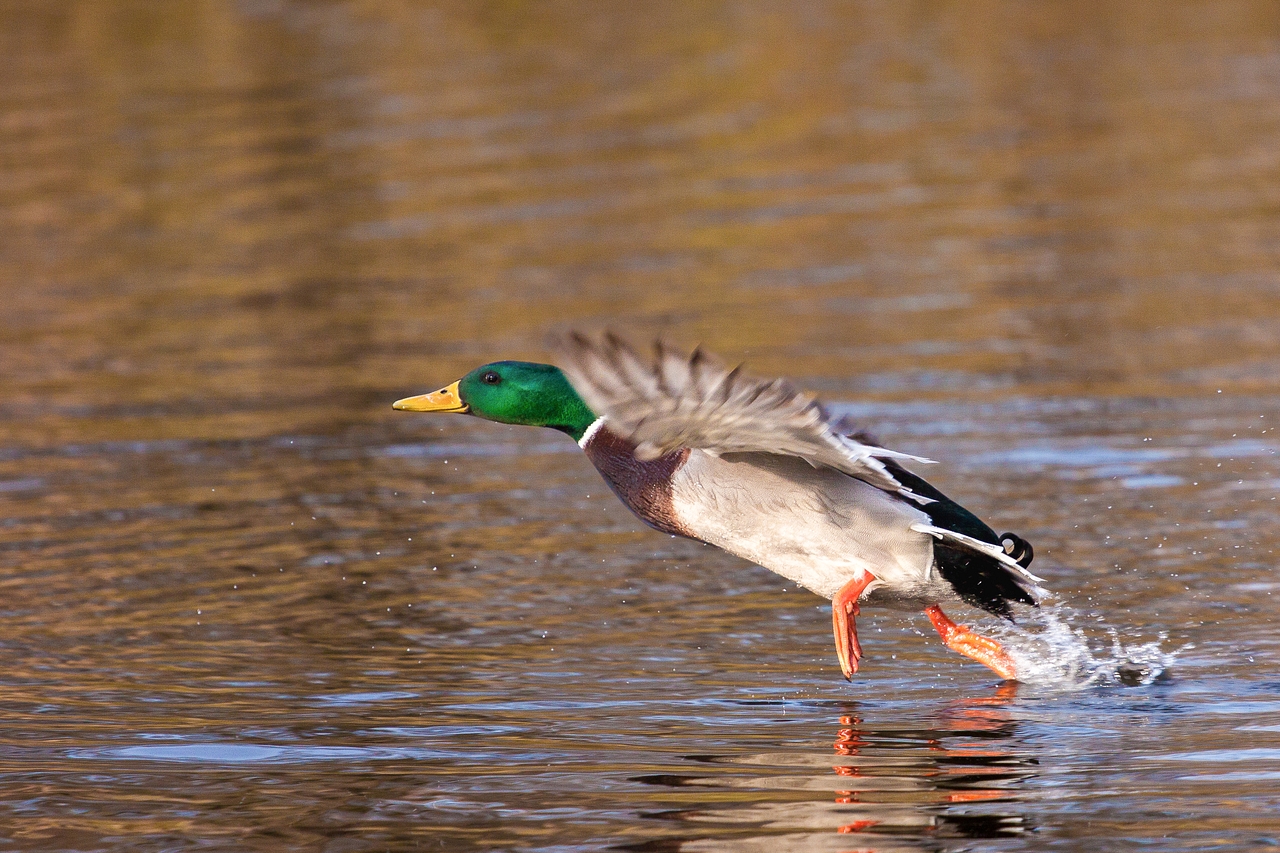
(675, 401)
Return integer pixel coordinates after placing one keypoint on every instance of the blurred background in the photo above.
(1036, 241)
(218, 207)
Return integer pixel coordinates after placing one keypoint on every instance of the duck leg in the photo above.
(844, 607)
(984, 650)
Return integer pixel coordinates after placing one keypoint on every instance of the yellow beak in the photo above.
(444, 400)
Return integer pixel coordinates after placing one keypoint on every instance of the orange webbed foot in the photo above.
(984, 650)
(844, 608)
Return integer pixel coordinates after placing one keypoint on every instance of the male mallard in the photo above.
(759, 469)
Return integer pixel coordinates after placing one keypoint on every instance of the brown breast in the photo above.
(645, 487)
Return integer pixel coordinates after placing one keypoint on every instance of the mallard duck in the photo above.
(759, 469)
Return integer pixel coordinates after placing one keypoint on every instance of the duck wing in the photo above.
(675, 401)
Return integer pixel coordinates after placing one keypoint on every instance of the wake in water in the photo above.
(1050, 653)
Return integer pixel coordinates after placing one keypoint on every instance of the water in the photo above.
(246, 606)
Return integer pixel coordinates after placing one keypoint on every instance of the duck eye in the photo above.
(490, 378)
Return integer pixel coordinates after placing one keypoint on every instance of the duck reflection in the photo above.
(894, 785)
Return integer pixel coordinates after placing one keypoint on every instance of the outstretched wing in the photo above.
(675, 401)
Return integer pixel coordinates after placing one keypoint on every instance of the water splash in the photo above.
(1050, 653)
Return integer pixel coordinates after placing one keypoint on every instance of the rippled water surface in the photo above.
(247, 606)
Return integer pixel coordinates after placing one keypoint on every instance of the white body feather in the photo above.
(817, 527)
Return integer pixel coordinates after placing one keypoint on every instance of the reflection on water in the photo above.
(247, 606)
(894, 786)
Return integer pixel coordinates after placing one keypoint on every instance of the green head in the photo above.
(511, 392)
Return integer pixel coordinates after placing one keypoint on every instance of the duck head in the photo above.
(510, 392)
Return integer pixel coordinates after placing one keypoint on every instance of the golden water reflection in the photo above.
(893, 786)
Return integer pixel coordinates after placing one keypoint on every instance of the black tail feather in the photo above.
(1017, 548)
(980, 580)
